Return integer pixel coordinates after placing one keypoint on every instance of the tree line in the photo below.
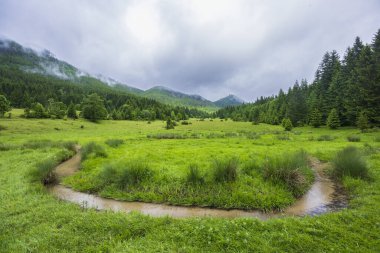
(345, 92)
(46, 96)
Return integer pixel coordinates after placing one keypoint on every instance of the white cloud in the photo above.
(210, 47)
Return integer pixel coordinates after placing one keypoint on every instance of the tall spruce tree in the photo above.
(316, 118)
(333, 121)
(362, 121)
(375, 98)
(71, 112)
(5, 105)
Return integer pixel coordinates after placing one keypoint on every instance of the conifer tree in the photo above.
(287, 124)
(71, 112)
(316, 118)
(362, 122)
(333, 121)
(4, 105)
(93, 108)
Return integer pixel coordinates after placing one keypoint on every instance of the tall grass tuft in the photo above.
(350, 162)
(225, 170)
(44, 172)
(114, 143)
(125, 174)
(5, 147)
(134, 173)
(325, 137)
(290, 170)
(93, 148)
(194, 175)
(353, 138)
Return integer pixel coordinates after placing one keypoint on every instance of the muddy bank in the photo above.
(321, 198)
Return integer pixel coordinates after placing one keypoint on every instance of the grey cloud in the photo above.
(214, 48)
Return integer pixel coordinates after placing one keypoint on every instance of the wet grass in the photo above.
(291, 170)
(34, 221)
(94, 150)
(114, 142)
(350, 162)
(353, 138)
(225, 170)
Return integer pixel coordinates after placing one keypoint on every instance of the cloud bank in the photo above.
(209, 47)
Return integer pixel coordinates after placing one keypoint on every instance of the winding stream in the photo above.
(322, 197)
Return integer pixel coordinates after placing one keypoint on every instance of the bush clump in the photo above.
(44, 172)
(125, 174)
(37, 144)
(353, 138)
(325, 137)
(194, 175)
(93, 148)
(134, 173)
(283, 137)
(167, 136)
(5, 147)
(225, 170)
(350, 162)
(290, 169)
(287, 124)
(114, 143)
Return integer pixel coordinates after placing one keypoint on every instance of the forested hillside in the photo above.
(27, 78)
(350, 86)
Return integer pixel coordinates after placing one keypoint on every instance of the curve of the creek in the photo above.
(322, 197)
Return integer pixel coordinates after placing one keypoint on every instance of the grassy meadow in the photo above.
(183, 166)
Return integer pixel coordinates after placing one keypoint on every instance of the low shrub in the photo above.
(93, 148)
(325, 137)
(114, 142)
(194, 175)
(353, 138)
(289, 169)
(185, 122)
(225, 170)
(350, 162)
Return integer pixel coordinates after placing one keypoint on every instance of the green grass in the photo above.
(350, 162)
(34, 221)
(291, 170)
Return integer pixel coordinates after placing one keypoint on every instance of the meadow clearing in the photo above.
(35, 221)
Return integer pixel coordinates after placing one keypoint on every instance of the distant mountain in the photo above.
(44, 62)
(172, 97)
(230, 100)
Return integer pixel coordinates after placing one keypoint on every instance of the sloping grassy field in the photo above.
(34, 221)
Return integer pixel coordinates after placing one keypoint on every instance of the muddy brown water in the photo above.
(321, 198)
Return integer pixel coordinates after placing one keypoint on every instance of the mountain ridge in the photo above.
(44, 62)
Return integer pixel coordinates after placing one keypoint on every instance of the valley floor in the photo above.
(32, 220)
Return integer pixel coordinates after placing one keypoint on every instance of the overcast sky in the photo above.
(212, 48)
